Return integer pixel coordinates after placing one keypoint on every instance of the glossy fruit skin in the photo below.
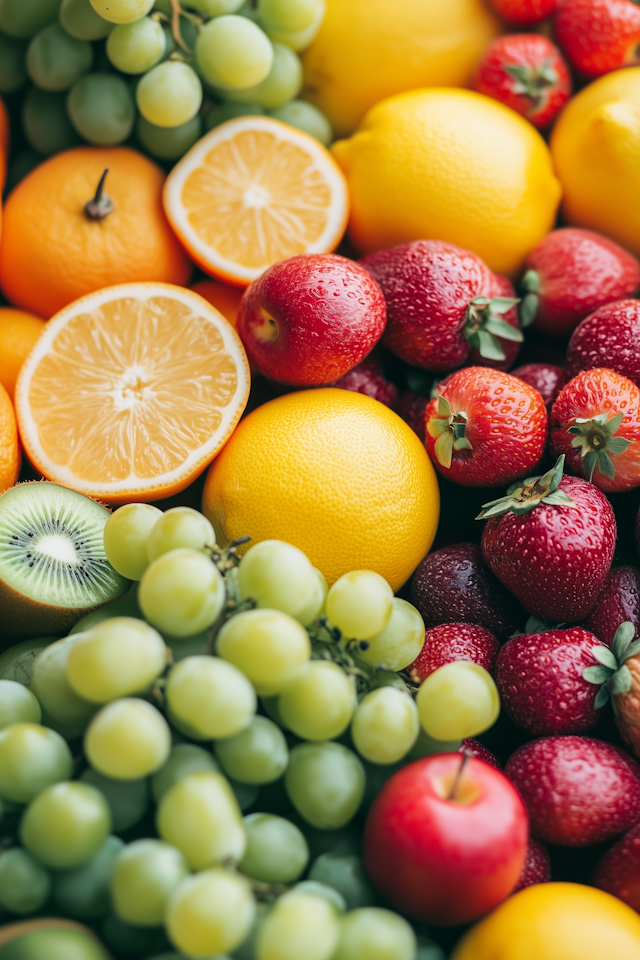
(618, 872)
(598, 36)
(510, 348)
(578, 791)
(368, 378)
(309, 319)
(588, 395)
(440, 861)
(454, 584)
(479, 751)
(546, 378)
(454, 641)
(18, 333)
(525, 12)
(412, 409)
(619, 601)
(555, 558)
(539, 677)
(537, 866)
(610, 338)
(10, 454)
(506, 425)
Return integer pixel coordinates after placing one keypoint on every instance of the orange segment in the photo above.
(254, 191)
(131, 391)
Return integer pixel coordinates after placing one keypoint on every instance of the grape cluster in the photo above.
(103, 71)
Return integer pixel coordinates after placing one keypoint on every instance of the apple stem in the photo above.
(456, 783)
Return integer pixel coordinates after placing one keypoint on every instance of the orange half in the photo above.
(131, 391)
(254, 191)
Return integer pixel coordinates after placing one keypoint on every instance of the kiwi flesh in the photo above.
(53, 568)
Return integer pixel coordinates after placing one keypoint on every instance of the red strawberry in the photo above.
(551, 541)
(412, 410)
(478, 750)
(618, 872)
(510, 348)
(454, 641)
(610, 338)
(598, 36)
(618, 677)
(619, 602)
(525, 12)
(527, 73)
(441, 301)
(485, 428)
(595, 423)
(578, 791)
(537, 867)
(454, 584)
(546, 378)
(368, 378)
(570, 274)
(539, 677)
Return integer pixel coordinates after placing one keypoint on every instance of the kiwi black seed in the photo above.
(53, 568)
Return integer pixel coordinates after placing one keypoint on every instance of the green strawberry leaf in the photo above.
(488, 347)
(531, 282)
(443, 449)
(618, 445)
(602, 697)
(528, 309)
(559, 499)
(500, 328)
(605, 465)
(632, 651)
(604, 656)
(622, 638)
(502, 304)
(596, 674)
(621, 681)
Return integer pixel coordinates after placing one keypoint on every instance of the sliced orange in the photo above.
(254, 191)
(131, 391)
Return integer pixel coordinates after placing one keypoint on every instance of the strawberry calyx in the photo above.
(526, 495)
(530, 286)
(612, 674)
(533, 82)
(484, 324)
(449, 429)
(594, 438)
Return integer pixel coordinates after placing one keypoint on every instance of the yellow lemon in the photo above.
(337, 474)
(555, 921)
(451, 165)
(596, 151)
(366, 51)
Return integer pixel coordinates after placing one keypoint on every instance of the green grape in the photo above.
(210, 913)
(83, 893)
(458, 700)
(258, 754)
(55, 61)
(229, 111)
(31, 759)
(17, 704)
(125, 538)
(319, 702)
(320, 890)
(300, 925)
(345, 840)
(66, 825)
(425, 746)
(428, 950)
(304, 116)
(182, 592)
(325, 783)
(359, 604)
(101, 109)
(130, 939)
(268, 646)
(24, 883)
(122, 11)
(127, 739)
(46, 123)
(233, 53)
(169, 94)
(128, 800)
(145, 874)
(136, 47)
(247, 950)
(185, 758)
(316, 604)
(195, 646)
(279, 576)
(169, 143)
(399, 643)
(119, 656)
(200, 816)
(245, 793)
(289, 16)
(385, 725)
(277, 851)
(210, 696)
(300, 39)
(215, 8)
(13, 72)
(375, 934)
(125, 606)
(346, 874)
(25, 18)
(17, 662)
(180, 527)
(56, 695)
(81, 21)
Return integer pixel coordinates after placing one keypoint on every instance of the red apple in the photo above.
(443, 843)
(310, 319)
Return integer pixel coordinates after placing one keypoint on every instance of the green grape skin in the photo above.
(13, 72)
(399, 643)
(125, 606)
(55, 61)
(45, 122)
(372, 933)
(83, 893)
(458, 700)
(130, 939)
(333, 896)
(200, 816)
(122, 11)
(425, 746)
(299, 40)
(268, 646)
(316, 604)
(319, 702)
(210, 696)
(128, 800)
(23, 20)
(289, 16)
(277, 851)
(215, 8)
(32, 758)
(127, 739)
(170, 94)
(247, 950)
(359, 604)
(66, 825)
(300, 925)
(136, 47)
(180, 527)
(210, 913)
(245, 793)
(125, 538)
(256, 755)
(182, 592)
(101, 108)
(24, 883)
(277, 576)
(195, 646)
(145, 874)
(17, 662)
(17, 704)
(304, 116)
(56, 695)
(81, 21)
(385, 726)
(229, 111)
(325, 783)
(233, 53)
(184, 759)
(169, 143)
(345, 873)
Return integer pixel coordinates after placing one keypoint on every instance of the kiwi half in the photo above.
(53, 568)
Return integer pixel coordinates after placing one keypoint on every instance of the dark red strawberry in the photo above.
(578, 791)
(485, 428)
(441, 301)
(541, 684)
(551, 542)
(598, 36)
(368, 378)
(546, 378)
(618, 602)
(570, 274)
(595, 423)
(525, 12)
(537, 866)
(618, 678)
(412, 409)
(454, 641)
(609, 338)
(618, 872)
(510, 348)
(478, 750)
(455, 585)
(527, 73)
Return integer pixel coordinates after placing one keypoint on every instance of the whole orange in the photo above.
(53, 252)
(9, 447)
(18, 333)
(222, 296)
(4, 142)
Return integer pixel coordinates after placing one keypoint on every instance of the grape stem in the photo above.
(101, 205)
(452, 795)
(176, 13)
